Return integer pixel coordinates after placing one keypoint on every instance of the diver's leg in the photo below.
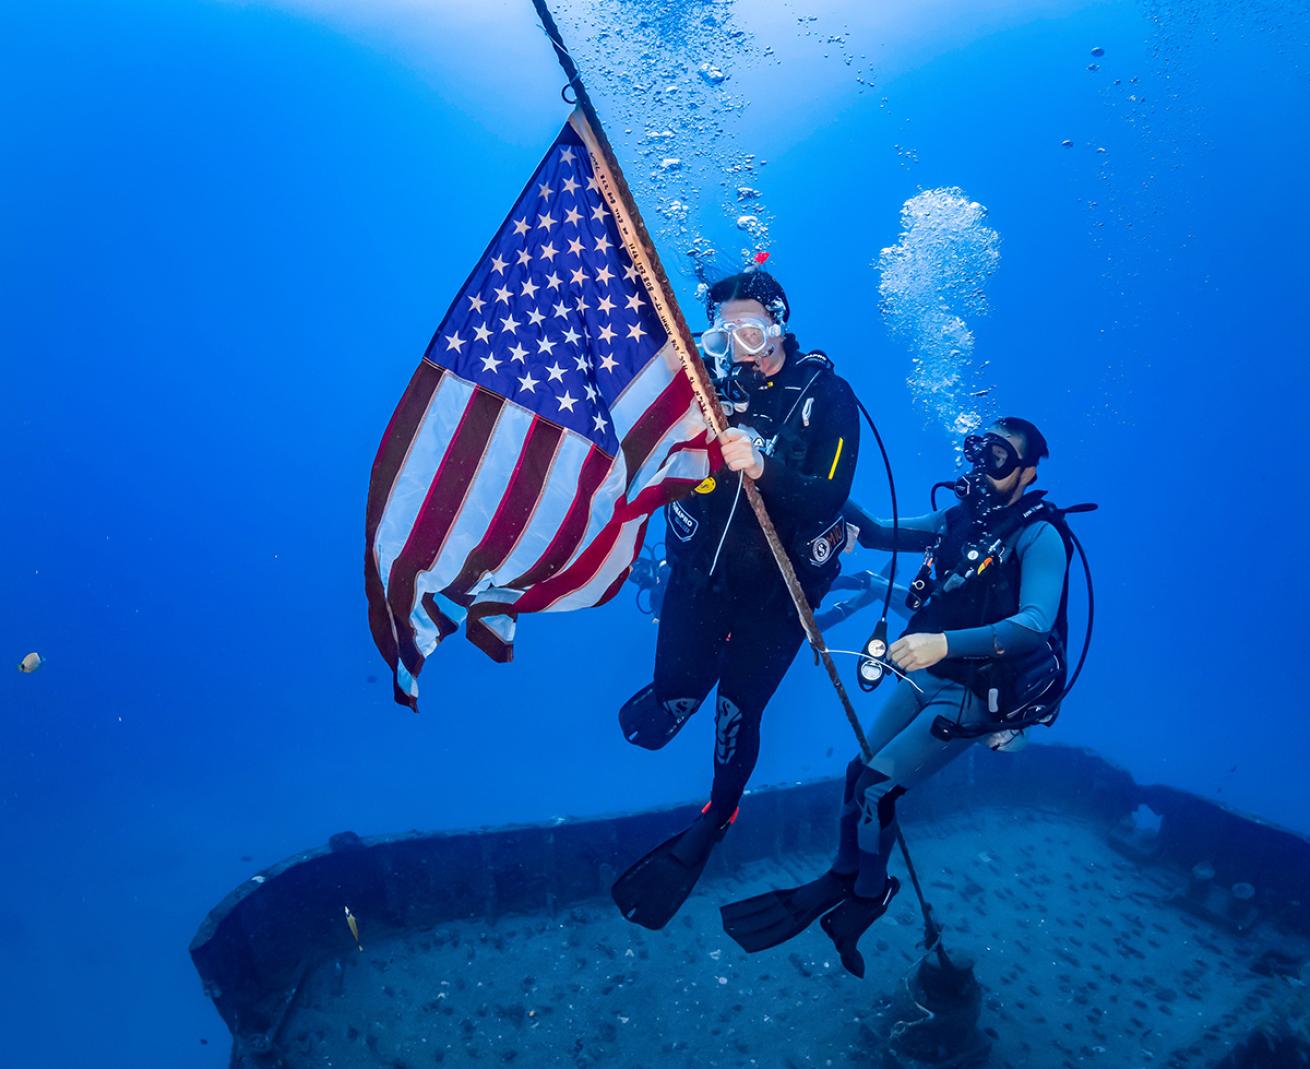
(764, 642)
(874, 787)
(692, 631)
(692, 636)
(901, 707)
(900, 764)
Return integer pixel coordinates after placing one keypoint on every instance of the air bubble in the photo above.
(712, 74)
(668, 67)
(930, 279)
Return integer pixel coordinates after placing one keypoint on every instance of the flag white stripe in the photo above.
(470, 524)
(640, 393)
(427, 450)
(553, 504)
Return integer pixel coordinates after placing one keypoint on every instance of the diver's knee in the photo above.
(887, 805)
(872, 787)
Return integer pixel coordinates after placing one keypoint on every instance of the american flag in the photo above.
(548, 419)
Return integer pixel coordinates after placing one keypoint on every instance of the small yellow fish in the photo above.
(354, 927)
(30, 663)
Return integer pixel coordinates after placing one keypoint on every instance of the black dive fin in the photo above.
(657, 885)
(772, 918)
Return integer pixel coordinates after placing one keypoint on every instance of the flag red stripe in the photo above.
(651, 428)
(437, 514)
(637, 444)
(483, 637)
(522, 493)
(542, 595)
(397, 440)
(622, 577)
(445, 625)
(571, 531)
(391, 455)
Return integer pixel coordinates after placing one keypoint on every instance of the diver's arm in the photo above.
(1042, 565)
(912, 532)
(834, 436)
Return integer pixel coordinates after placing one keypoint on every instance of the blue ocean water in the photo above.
(229, 231)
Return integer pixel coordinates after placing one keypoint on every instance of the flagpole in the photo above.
(695, 367)
(685, 345)
(683, 340)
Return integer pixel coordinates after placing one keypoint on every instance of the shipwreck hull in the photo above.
(255, 947)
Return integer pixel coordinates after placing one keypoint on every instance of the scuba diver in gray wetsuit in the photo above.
(983, 648)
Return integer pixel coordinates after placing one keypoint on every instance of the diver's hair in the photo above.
(750, 286)
(1034, 441)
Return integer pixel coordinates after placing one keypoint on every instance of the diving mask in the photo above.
(749, 334)
(992, 455)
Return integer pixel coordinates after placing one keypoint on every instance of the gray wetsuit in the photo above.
(905, 752)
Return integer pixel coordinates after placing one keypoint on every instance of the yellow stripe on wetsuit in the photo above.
(837, 457)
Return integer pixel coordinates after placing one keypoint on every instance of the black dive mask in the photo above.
(742, 380)
(992, 455)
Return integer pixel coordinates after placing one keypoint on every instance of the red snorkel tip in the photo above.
(760, 258)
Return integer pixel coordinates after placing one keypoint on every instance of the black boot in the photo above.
(851, 919)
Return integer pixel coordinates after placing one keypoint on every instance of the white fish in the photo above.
(30, 663)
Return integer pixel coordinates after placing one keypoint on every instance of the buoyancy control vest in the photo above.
(980, 591)
(715, 523)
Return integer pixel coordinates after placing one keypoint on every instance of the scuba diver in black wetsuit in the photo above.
(726, 617)
(983, 654)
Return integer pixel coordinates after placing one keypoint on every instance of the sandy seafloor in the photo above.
(1082, 960)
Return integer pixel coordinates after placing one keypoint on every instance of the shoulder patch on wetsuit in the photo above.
(681, 522)
(816, 357)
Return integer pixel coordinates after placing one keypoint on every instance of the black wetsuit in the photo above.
(727, 617)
